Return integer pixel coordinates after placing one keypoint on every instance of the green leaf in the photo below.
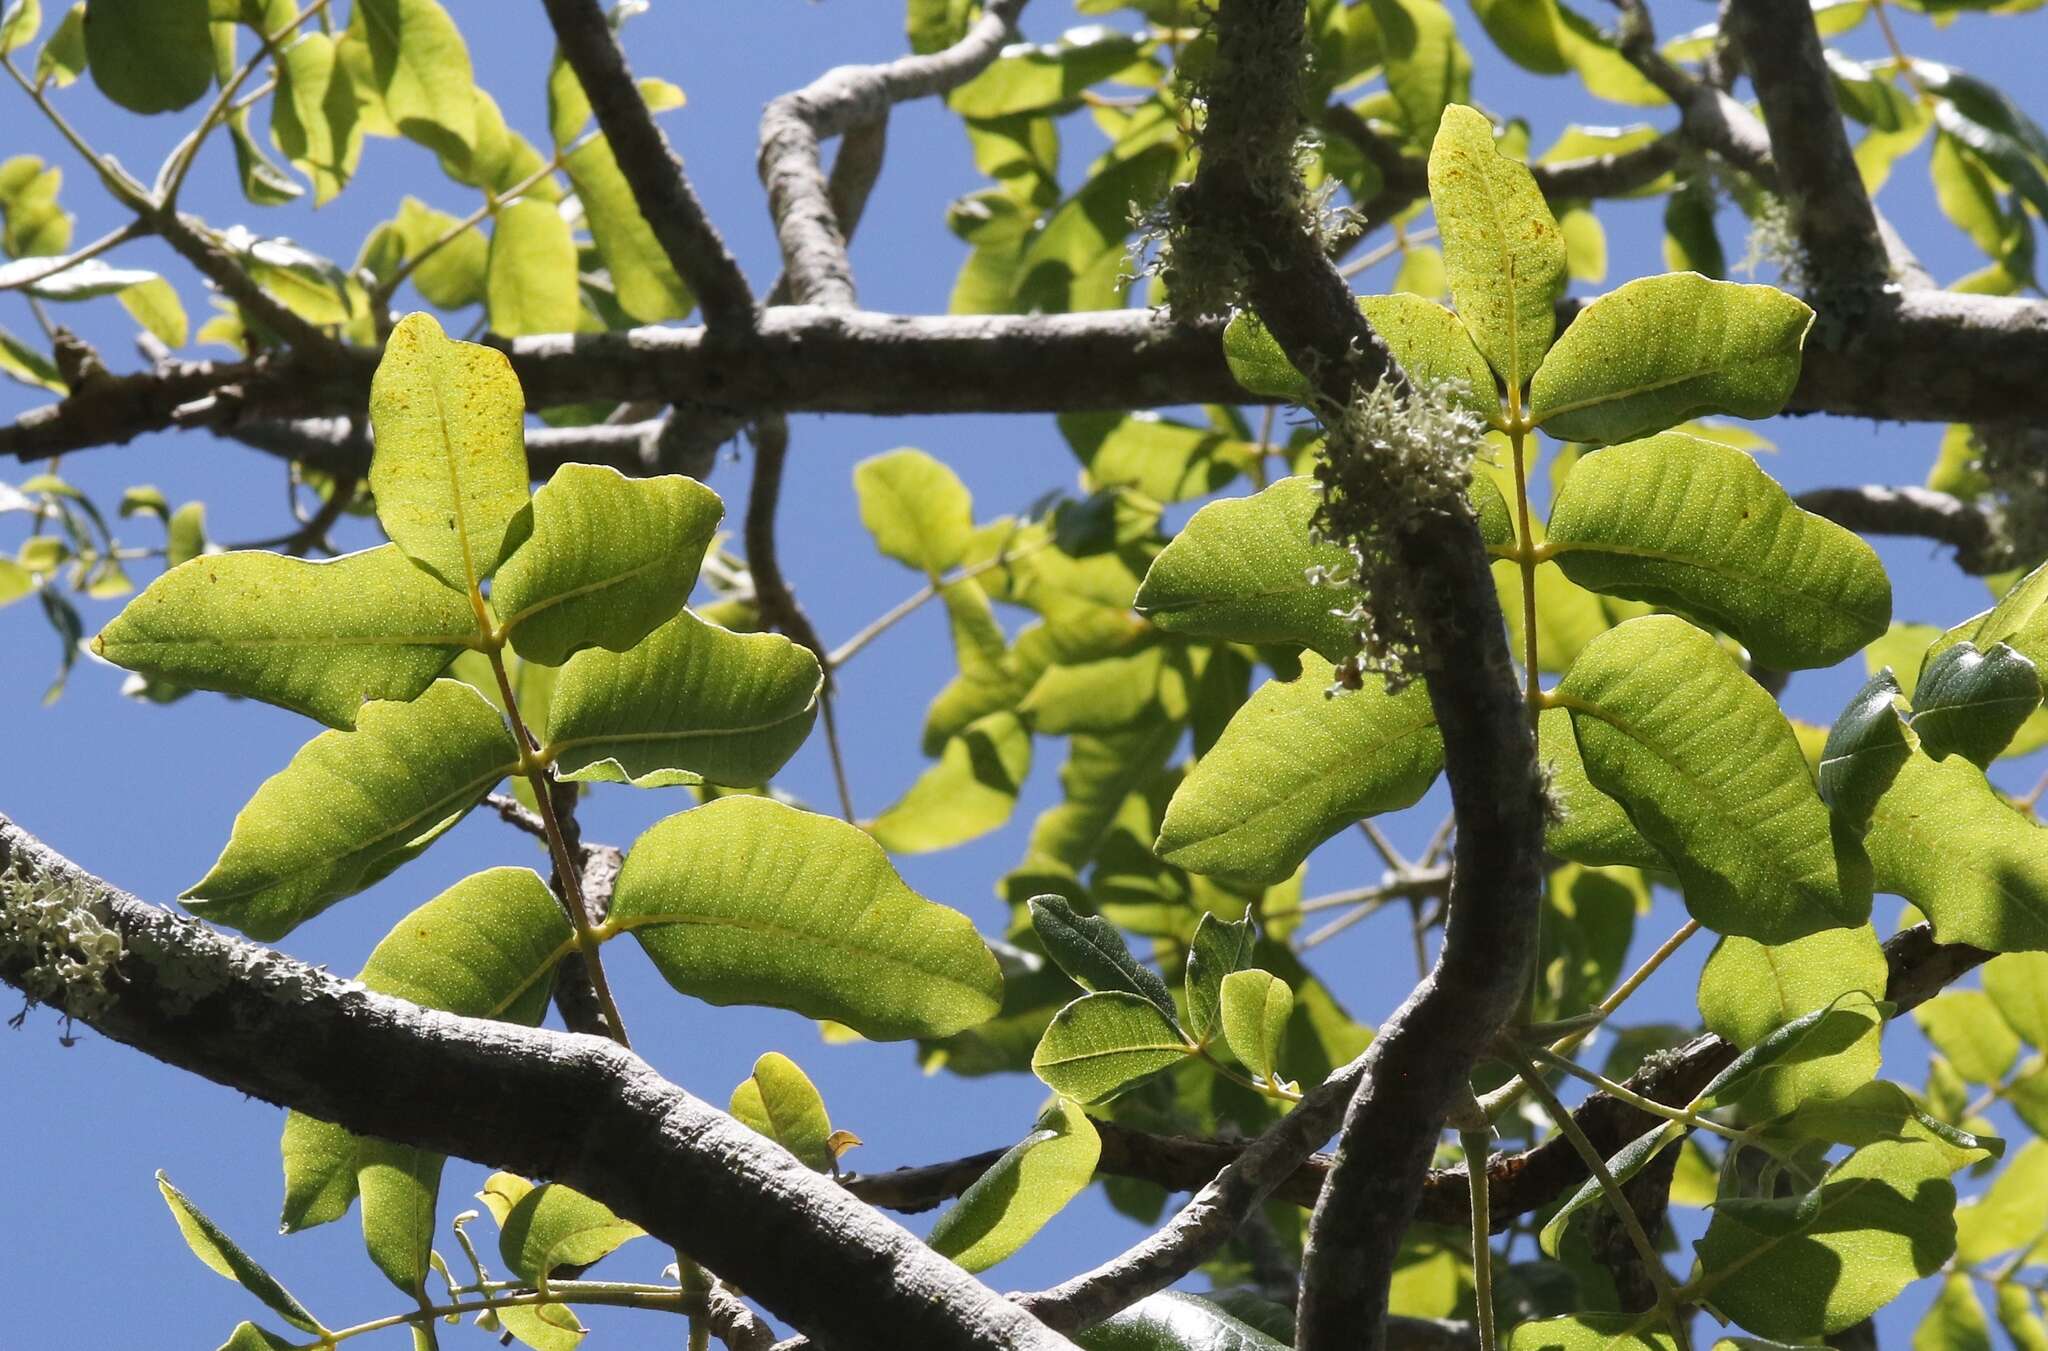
(610, 560)
(320, 638)
(319, 1172)
(1503, 252)
(1971, 703)
(2018, 985)
(1218, 948)
(454, 275)
(1878, 1111)
(1806, 1037)
(224, 1256)
(486, 947)
(648, 288)
(1077, 259)
(1256, 1006)
(1172, 1321)
(1749, 990)
(2019, 1313)
(1805, 1266)
(149, 56)
(916, 508)
(2012, 1214)
(746, 901)
(400, 1186)
(1864, 751)
(62, 59)
(1650, 354)
(971, 790)
(352, 806)
(692, 703)
(553, 1226)
(313, 119)
(1966, 1026)
(449, 472)
(1100, 1044)
(1629, 1160)
(421, 69)
(1591, 1332)
(1240, 568)
(29, 366)
(1032, 1182)
(1163, 460)
(19, 24)
(1029, 78)
(1428, 69)
(1707, 769)
(1955, 1321)
(155, 305)
(249, 1337)
(1686, 523)
(1941, 838)
(1090, 950)
(779, 1101)
(1591, 827)
(530, 282)
(1296, 765)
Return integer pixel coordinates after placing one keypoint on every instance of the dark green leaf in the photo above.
(1089, 949)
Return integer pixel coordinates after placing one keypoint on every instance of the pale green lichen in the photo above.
(2012, 459)
(1392, 457)
(66, 956)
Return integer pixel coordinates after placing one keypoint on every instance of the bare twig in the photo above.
(772, 595)
(793, 127)
(661, 189)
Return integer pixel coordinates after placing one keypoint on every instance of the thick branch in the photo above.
(659, 445)
(1930, 357)
(1873, 509)
(793, 128)
(546, 1104)
(1418, 1065)
(661, 189)
(1817, 174)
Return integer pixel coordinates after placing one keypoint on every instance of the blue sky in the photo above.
(144, 795)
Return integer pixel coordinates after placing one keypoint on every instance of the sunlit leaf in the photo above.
(530, 282)
(610, 560)
(1218, 948)
(213, 1247)
(1503, 252)
(1658, 350)
(1100, 1044)
(352, 806)
(1256, 1007)
(553, 1226)
(689, 704)
(971, 790)
(1296, 765)
(1678, 521)
(916, 508)
(1707, 769)
(449, 473)
(1032, 1182)
(421, 69)
(779, 1100)
(747, 901)
(321, 638)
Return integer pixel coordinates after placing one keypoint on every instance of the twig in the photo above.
(794, 126)
(772, 595)
(660, 187)
(36, 276)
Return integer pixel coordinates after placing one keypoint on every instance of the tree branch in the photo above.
(1417, 1066)
(1817, 175)
(660, 187)
(571, 1108)
(1873, 509)
(794, 126)
(1934, 356)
